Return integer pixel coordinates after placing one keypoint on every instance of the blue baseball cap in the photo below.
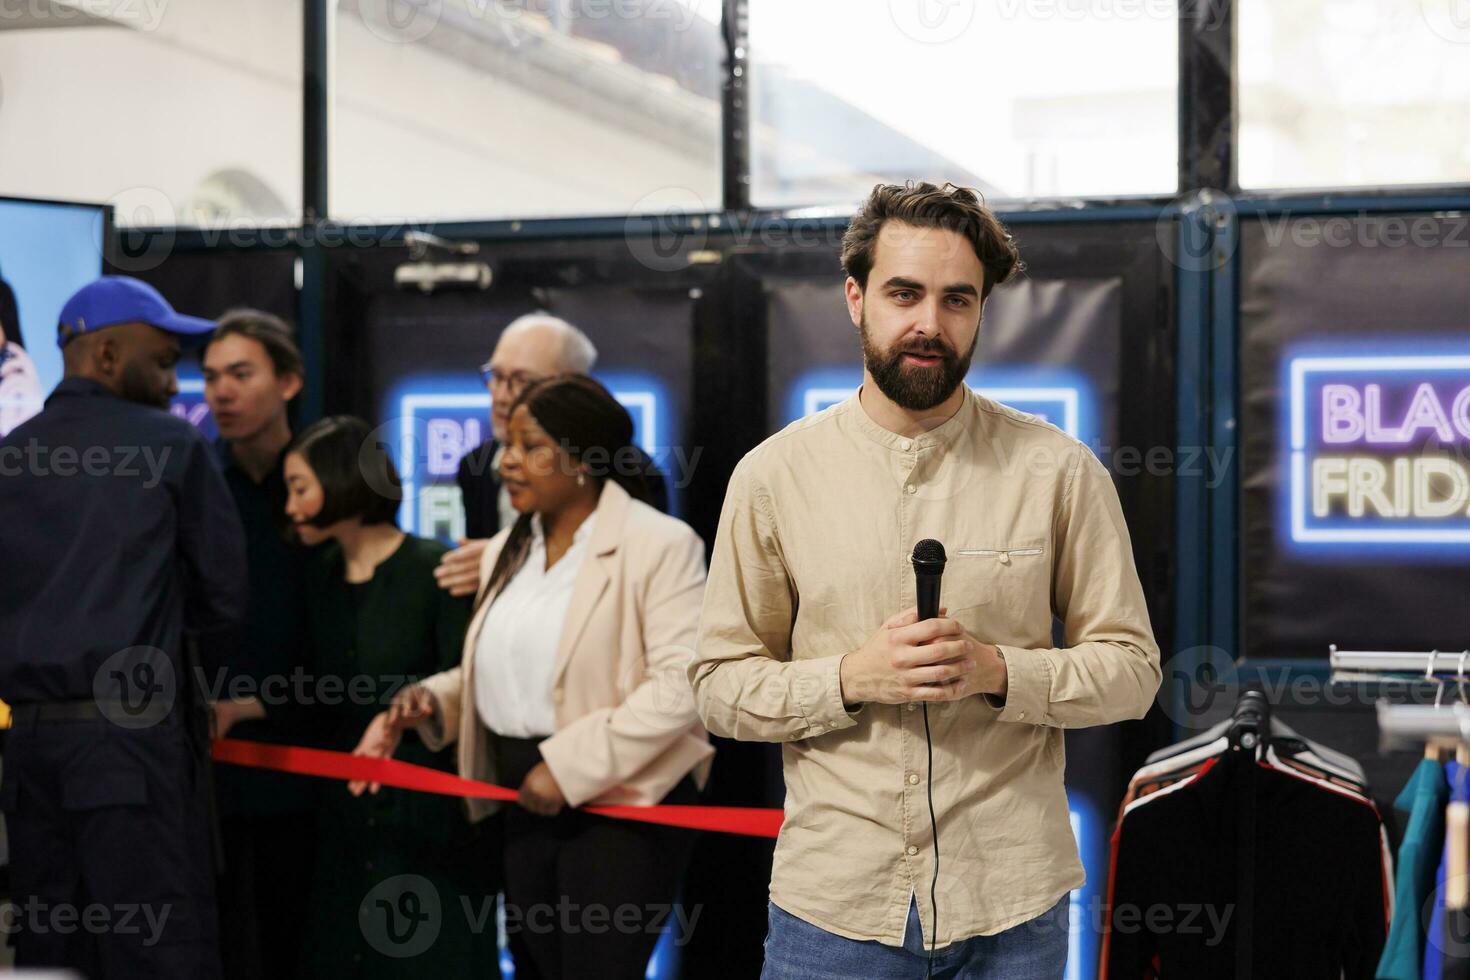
(122, 299)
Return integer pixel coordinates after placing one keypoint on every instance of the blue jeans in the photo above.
(1033, 950)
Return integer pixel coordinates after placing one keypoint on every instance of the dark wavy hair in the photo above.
(266, 329)
(595, 430)
(358, 477)
(10, 314)
(957, 209)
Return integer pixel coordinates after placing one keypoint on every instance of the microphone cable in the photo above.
(934, 825)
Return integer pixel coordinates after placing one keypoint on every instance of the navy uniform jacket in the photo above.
(116, 531)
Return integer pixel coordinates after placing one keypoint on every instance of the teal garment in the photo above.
(402, 880)
(1423, 799)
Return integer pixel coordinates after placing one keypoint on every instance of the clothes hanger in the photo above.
(1435, 748)
(1457, 833)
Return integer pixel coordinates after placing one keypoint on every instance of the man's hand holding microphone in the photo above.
(919, 654)
(909, 659)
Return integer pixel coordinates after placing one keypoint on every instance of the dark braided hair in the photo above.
(593, 427)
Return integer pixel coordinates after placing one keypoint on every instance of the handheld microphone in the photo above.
(928, 561)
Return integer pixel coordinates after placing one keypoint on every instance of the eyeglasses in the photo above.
(513, 382)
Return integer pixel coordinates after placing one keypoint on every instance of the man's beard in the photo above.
(909, 385)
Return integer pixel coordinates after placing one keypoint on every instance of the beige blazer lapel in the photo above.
(593, 576)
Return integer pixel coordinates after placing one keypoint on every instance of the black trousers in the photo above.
(112, 868)
(589, 896)
(262, 896)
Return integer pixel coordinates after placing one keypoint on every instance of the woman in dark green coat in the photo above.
(399, 883)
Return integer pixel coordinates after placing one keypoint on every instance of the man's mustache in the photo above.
(930, 349)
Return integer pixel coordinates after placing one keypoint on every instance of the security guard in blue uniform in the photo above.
(121, 545)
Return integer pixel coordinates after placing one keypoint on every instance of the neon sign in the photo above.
(1378, 449)
(436, 420)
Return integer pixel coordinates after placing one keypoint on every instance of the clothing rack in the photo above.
(1443, 724)
(1441, 667)
(1407, 725)
(1454, 663)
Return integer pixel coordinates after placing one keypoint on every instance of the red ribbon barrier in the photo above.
(751, 821)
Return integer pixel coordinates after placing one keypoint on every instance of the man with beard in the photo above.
(811, 634)
(122, 537)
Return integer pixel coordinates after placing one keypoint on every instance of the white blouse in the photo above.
(516, 649)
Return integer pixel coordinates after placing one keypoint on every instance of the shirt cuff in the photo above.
(560, 755)
(1028, 687)
(431, 730)
(817, 688)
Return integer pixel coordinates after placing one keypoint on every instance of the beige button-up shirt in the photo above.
(812, 556)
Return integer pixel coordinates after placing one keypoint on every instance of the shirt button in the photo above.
(913, 778)
(912, 850)
(912, 707)
(905, 445)
(1021, 715)
(911, 488)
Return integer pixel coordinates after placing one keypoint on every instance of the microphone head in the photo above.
(929, 553)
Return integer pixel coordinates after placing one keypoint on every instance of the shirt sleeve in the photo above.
(211, 543)
(746, 684)
(471, 492)
(1110, 669)
(609, 746)
(451, 621)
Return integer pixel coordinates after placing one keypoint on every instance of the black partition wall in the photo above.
(1355, 399)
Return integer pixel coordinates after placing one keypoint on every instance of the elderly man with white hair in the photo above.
(535, 346)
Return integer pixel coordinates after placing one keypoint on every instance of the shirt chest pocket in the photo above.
(998, 591)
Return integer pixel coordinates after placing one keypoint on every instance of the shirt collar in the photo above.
(228, 462)
(226, 458)
(583, 532)
(941, 435)
(80, 386)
